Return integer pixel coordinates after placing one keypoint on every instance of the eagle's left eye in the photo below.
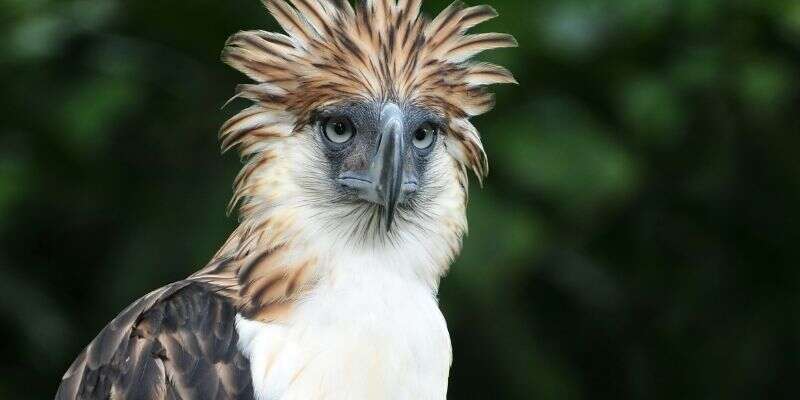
(424, 136)
(338, 129)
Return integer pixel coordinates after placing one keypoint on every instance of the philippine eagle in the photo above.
(352, 204)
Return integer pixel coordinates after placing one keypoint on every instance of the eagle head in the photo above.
(359, 129)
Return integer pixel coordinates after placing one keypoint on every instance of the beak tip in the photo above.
(389, 218)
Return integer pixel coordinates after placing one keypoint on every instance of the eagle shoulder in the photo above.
(177, 342)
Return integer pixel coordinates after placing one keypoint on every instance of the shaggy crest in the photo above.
(378, 50)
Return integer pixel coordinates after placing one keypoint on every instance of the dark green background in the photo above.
(637, 237)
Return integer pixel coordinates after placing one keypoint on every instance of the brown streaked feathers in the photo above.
(379, 50)
(180, 341)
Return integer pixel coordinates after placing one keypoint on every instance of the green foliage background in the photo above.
(637, 237)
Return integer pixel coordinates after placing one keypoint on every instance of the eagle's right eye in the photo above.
(338, 130)
(425, 136)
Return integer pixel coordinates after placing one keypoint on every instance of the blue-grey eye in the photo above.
(338, 129)
(424, 136)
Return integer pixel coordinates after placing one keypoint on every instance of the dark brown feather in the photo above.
(179, 342)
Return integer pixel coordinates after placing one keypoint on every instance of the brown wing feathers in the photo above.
(179, 342)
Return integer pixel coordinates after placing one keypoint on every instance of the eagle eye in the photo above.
(338, 130)
(425, 135)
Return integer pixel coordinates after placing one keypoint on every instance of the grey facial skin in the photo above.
(379, 163)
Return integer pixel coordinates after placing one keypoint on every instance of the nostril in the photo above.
(410, 187)
(365, 188)
(353, 178)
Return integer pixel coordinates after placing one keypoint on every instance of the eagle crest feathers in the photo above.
(376, 50)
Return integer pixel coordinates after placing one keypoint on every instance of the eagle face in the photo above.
(359, 129)
(378, 154)
(372, 172)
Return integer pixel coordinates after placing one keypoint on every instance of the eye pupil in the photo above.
(338, 130)
(424, 136)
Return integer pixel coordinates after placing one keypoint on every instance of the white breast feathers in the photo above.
(365, 332)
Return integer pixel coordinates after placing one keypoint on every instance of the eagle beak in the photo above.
(387, 165)
(382, 182)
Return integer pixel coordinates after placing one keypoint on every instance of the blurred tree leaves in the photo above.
(653, 110)
(565, 157)
(41, 27)
(12, 182)
(765, 86)
(91, 108)
(489, 260)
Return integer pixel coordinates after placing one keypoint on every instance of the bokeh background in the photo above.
(638, 236)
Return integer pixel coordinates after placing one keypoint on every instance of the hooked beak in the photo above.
(387, 166)
(382, 182)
